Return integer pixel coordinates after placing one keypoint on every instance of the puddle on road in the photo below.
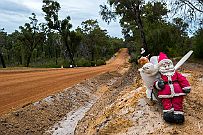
(68, 124)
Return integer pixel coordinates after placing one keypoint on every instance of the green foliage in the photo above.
(30, 37)
(134, 57)
(54, 44)
(83, 62)
(96, 40)
(100, 62)
(133, 49)
(160, 35)
(130, 13)
(198, 44)
(167, 38)
(47, 64)
(154, 12)
(51, 53)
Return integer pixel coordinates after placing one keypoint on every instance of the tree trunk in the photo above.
(21, 60)
(92, 48)
(28, 60)
(138, 20)
(72, 62)
(56, 56)
(92, 55)
(2, 60)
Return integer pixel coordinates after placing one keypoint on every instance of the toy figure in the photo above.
(149, 73)
(172, 86)
(166, 85)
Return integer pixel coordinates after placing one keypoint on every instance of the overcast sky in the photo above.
(14, 13)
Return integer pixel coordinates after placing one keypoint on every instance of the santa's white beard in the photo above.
(167, 72)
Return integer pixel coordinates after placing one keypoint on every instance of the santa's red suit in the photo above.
(172, 86)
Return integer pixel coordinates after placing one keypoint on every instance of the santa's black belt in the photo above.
(171, 82)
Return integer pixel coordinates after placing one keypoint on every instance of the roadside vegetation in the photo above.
(173, 27)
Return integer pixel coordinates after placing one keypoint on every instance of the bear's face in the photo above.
(149, 68)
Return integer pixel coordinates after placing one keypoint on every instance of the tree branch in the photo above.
(188, 3)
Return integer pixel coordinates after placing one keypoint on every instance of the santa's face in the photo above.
(166, 67)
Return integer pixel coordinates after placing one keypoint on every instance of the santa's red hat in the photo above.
(163, 58)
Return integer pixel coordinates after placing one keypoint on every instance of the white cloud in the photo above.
(15, 13)
(33, 5)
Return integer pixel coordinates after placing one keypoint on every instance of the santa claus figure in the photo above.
(172, 87)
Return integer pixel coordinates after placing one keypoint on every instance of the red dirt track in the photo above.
(21, 87)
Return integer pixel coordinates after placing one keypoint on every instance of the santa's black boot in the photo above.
(168, 117)
(179, 118)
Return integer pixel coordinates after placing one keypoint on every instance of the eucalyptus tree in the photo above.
(94, 37)
(130, 14)
(53, 46)
(51, 9)
(2, 45)
(31, 36)
(88, 27)
(14, 47)
(162, 35)
(75, 38)
(157, 29)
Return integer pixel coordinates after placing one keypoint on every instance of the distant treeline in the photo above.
(36, 47)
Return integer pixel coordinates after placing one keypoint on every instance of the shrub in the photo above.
(134, 57)
(100, 62)
(83, 62)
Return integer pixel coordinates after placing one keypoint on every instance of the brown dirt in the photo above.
(21, 87)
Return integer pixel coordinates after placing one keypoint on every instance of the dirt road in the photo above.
(21, 87)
